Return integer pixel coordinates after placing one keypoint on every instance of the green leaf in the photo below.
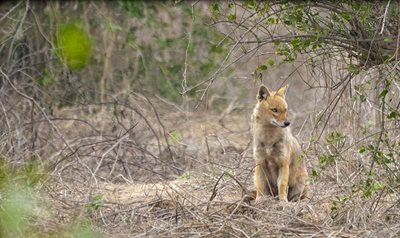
(185, 176)
(270, 62)
(372, 188)
(326, 159)
(231, 17)
(214, 9)
(345, 15)
(383, 93)
(352, 68)
(262, 67)
(272, 20)
(218, 49)
(371, 147)
(392, 115)
(314, 173)
(174, 137)
(250, 4)
(389, 40)
(295, 42)
(96, 202)
(231, 172)
(334, 137)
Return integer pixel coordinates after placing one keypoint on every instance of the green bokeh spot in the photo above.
(73, 46)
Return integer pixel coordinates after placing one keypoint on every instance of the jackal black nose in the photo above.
(286, 123)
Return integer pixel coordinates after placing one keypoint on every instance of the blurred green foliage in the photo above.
(140, 45)
(19, 199)
(21, 203)
(81, 229)
(16, 207)
(73, 46)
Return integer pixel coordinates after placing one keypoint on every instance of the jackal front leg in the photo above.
(283, 180)
(260, 179)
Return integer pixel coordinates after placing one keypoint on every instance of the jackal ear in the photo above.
(263, 93)
(282, 91)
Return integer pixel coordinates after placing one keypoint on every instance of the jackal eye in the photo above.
(274, 110)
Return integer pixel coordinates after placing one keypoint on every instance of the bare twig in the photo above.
(384, 17)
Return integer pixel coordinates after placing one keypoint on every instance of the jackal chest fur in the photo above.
(270, 143)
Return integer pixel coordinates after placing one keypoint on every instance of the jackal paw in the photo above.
(283, 200)
(260, 200)
(281, 206)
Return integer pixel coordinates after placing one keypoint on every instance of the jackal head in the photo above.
(272, 107)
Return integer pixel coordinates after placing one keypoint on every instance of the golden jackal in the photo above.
(280, 170)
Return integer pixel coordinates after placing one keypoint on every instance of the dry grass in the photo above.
(130, 187)
(144, 167)
(141, 166)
